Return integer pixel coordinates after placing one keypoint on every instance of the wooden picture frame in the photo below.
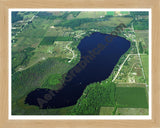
(4, 52)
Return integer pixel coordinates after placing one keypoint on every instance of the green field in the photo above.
(132, 111)
(133, 74)
(106, 111)
(58, 31)
(91, 14)
(47, 41)
(142, 37)
(124, 12)
(145, 63)
(111, 13)
(50, 40)
(53, 81)
(131, 97)
(112, 22)
(141, 24)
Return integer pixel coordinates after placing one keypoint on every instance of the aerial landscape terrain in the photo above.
(80, 62)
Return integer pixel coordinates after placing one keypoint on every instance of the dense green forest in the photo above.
(94, 96)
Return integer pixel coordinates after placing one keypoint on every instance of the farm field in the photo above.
(132, 97)
(123, 111)
(145, 66)
(111, 22)
(142, 35)
(140, 24)
(143, 85)
(106, 111)
(142, 38)
(132, 111)
(58, 31)
(91, 14)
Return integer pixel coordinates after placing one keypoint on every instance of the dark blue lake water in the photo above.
(99, 55)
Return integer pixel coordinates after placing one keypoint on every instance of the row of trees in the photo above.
(140, 47)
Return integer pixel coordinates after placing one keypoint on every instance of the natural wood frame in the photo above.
(6, 4)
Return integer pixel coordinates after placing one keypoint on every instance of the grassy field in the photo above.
(111, 22)
(60, 49)
(47, 41)
(25, 109)
(58, 31)
(133, 74)
(123, 111)
(132, 111)
(145, 63)
(131, 97)
(36, 29)
(106, 110)
(31, 36)
(141, 24)
(105, 26)
(142, 36)
(124, 12)
(143, 85)
(91, 14)
(111, 13)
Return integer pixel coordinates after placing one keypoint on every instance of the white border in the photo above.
(97, 117)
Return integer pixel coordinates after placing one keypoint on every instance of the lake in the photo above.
(98, 59)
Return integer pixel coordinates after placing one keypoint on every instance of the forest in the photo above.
(94, 96)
